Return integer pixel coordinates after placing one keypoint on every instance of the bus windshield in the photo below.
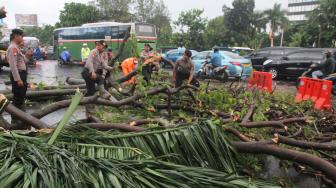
(145, 30)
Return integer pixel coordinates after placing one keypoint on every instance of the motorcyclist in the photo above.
(215, 61)
(326, 67)
(65, 55)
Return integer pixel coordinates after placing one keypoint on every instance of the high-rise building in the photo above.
(299, 9)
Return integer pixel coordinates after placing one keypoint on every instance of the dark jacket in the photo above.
(328, 66)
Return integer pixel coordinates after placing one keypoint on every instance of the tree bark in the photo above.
(310, 160)
(110, 126)
(275, 124)
(237, 134)
(94, 100)
(47, 93)
(74, 81)
(25, 117)
(306, 145)
(59, 105)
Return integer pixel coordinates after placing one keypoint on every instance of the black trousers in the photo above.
(180, 77)
(19, 93)
(90, 83)
(147, 72)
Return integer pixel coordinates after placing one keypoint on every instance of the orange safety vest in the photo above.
(128, 66)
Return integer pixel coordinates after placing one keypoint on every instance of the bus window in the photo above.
(122, 31)
(114, 32)
(145, 30)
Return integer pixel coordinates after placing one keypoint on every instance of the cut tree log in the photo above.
(306, 145)
(25, 117)
(237, 134)
(59, 105)
(275, 124)
(32, 95)
(74, 81)
(300, 157)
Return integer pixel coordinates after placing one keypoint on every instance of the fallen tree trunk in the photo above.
(47, 93)
(94, 100)
(25, 117)
(275, 124)
(93, 119)
(74, 81)
(300, 157)
(237, 134)
(61, 104)
(110, 126)
(81, 86)
(4, 124)
(306, 145)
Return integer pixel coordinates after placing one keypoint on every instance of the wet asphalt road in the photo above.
(52, 74)
(47, 72)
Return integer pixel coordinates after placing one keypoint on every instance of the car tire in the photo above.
(274, 72)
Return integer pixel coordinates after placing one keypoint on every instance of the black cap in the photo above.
(15, 32)
(188, 53)
(102, 42)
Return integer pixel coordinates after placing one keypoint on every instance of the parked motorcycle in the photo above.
(39, 54)
(218, 73)
(308, 74)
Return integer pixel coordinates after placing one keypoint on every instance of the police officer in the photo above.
(95, 70)
(18, 75)
(184, 70)
(147, 69)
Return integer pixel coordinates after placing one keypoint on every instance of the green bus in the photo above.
(112, 32)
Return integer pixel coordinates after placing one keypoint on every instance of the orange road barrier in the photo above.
(317, 90)
(261, 80)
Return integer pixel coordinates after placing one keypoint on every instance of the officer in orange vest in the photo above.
(128, 65)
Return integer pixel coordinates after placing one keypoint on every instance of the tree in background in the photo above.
(258, 35)
(156, 13)
(323, 18)
(277, 20)
(238, 21)
(144, 10)
(76, 14)
(215, 33)
(192, 26)
(44, 34)
(114, 10)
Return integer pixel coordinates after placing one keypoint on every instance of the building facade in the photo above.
(299, 9)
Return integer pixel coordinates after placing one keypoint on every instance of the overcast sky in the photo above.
(48, 10)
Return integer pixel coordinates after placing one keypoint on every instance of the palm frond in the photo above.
(203, 145)
(30, 163)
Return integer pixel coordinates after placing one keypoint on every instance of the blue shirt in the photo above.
(65, 55)
(216, 59)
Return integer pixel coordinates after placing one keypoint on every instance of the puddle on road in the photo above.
(51, 74)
